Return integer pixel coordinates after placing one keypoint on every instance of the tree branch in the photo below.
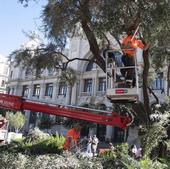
(70, 60)
(50, 52)
(151, 91)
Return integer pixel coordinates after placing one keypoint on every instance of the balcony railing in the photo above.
(86, 93)
(101, 93)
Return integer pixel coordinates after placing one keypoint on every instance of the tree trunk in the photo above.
(94, 47)
(145, 84)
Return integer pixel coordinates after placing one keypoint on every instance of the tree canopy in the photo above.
(63, 19)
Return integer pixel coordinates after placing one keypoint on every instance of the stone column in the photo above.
(17, 89)
(74, 94)
(55, 91)
(30, 93)
(42, 90)
(27, 112)
(68, 95)
(81, 85)
(166, 86)
(94, 83)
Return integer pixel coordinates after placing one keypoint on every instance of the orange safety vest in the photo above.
(131, 45)
(74, 136)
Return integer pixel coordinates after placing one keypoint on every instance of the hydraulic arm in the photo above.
(11, 102)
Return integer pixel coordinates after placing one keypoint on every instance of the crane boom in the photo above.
(11, 102)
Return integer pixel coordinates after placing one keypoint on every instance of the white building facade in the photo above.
(4, 69)
(88, 91)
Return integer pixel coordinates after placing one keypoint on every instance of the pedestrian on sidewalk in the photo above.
(89, 145)
(95, 142)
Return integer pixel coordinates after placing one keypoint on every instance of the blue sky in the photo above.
(15, 19)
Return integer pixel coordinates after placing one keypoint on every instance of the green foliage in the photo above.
(16, 120)
(39, 59)
(157, 132)
(123, 148)
(50, 145)
(68, 76)
(52, 161)
(167, 143)
(9, 160)
(37, 142)
(35, 135)
(154, 136)
(63, 19)
(129, 163)
(165, 161)
(33, 157)
(148, 164)
(121, 159)
(109, 154)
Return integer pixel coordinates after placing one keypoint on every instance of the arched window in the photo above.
(25, 91)
(91, 66)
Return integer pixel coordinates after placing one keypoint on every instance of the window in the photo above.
(36, 91)
(25, 91)
(91, 66)
(51, 71)
(5, 71)
(102, 84)
(49, 89)
(3, 83)
(88, 85)
(11, 74)
(62, 89)
(158, 83)
(28, 72)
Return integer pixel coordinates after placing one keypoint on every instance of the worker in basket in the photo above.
(71, 137)
(130, 45)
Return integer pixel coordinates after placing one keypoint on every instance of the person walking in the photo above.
(95, 142)
(89, 145)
